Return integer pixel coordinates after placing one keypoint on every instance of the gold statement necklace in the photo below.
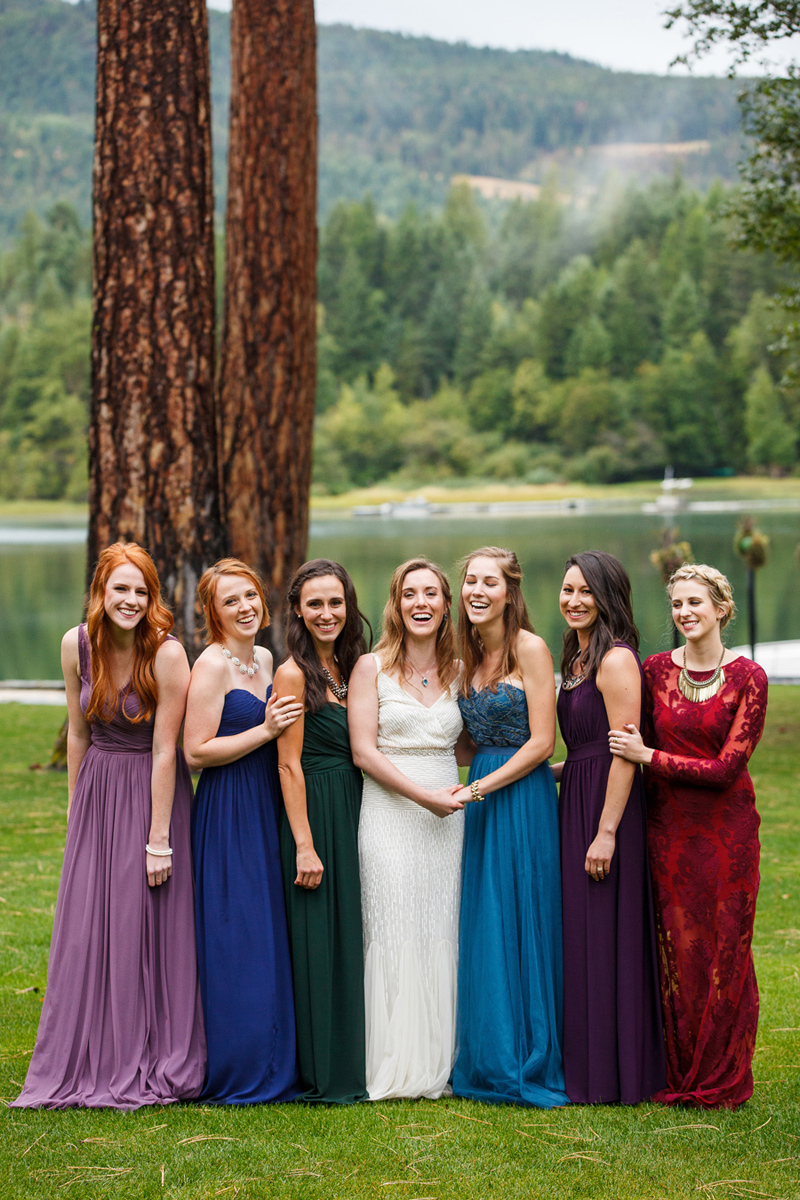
(698, 690)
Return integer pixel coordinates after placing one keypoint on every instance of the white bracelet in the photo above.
(158, 853)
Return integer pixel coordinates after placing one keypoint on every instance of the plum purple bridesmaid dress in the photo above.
(121, 1024)
(613, 1040)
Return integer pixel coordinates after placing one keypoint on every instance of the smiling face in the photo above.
(693, 610)
(126, 596)
(238, 607)
(422, 603)
(484, 591)
(577, 604)
(322, 608)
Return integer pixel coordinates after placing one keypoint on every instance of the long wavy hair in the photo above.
(349, 645)
(609, 584)
(154, 626)
(470, 642)
(392, 644)
(207, 591)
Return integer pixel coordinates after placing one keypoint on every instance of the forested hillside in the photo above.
(558, 345)
(398, 116)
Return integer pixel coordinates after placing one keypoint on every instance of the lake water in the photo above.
(42, 570)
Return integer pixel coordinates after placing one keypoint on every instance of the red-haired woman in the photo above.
(242, 941)
(121, 1025)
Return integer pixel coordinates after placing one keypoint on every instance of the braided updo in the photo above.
(719, 589)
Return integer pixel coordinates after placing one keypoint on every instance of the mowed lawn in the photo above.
(400, 1151)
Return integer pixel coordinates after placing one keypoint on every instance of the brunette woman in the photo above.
(613, 1044)
(706, 710)
(404, 725)
(121, 1024)
(242, 944)
(509, 968)
(319, 834)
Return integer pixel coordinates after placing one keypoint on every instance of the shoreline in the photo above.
(464, 496)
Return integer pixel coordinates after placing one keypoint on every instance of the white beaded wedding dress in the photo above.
(410, 893)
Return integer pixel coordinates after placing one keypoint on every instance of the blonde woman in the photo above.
(404, 726)
(706, 710)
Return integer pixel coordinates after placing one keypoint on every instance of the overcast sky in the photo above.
(628, 35)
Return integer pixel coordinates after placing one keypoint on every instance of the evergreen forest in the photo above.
(602, 331)
(533, 341)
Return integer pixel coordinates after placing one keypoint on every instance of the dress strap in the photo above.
(84, 654)
(378, 663)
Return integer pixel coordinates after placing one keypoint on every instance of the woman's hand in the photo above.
(442, 802)
(158, 868)
(627, 743)
(557, 769)
(464, 794)
(281, 712)
(309, 869)
(599, 855)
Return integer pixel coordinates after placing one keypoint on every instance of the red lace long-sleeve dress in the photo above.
(704, 852)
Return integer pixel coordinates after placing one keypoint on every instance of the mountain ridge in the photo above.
(399, 115)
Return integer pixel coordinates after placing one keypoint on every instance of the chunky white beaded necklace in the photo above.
(243, 670)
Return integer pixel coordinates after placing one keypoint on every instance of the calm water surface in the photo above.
(42, 570)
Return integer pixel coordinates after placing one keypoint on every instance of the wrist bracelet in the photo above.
(476, 793)
(158, 853)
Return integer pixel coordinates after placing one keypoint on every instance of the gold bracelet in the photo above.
(476, 794)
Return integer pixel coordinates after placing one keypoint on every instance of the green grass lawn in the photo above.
(401, 1151)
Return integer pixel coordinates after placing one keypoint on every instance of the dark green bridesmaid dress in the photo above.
(325, 924)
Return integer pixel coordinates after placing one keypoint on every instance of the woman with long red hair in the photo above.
(121, 1025)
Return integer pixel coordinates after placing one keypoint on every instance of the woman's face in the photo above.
(577, 604)
(238, 607)
(126, 597)
(484, 591)
(422, 603)
(693, 610)
(322, 608)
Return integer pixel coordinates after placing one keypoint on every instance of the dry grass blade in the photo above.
(592, 1158)
(38, 1139)
(304, 1171)
(675, 1128)
(464, 1117)
(207, 1137)
(409, 1183)
(571, 1137)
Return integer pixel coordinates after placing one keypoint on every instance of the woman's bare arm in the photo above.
(290, 681)
(207, 690)
(619, 682)
(79, 733)
(362, 719)
(536, 669)
(172, 677)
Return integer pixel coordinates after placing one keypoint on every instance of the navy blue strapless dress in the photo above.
(242, 941)
(508, 1027)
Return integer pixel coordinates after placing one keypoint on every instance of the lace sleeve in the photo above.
(742, 738)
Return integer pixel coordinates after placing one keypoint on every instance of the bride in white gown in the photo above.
(404, 725)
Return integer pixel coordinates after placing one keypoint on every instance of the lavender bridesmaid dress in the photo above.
(613, 1041)
(121, 1024)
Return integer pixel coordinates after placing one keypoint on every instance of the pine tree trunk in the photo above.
(268, 360)
(154, 469)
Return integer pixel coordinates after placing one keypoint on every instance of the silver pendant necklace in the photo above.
(423, 674)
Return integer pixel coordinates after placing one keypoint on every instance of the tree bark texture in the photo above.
(154, 467)
(268, 359)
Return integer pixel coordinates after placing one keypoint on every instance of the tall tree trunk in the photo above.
(154, 465)
(268, 361)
